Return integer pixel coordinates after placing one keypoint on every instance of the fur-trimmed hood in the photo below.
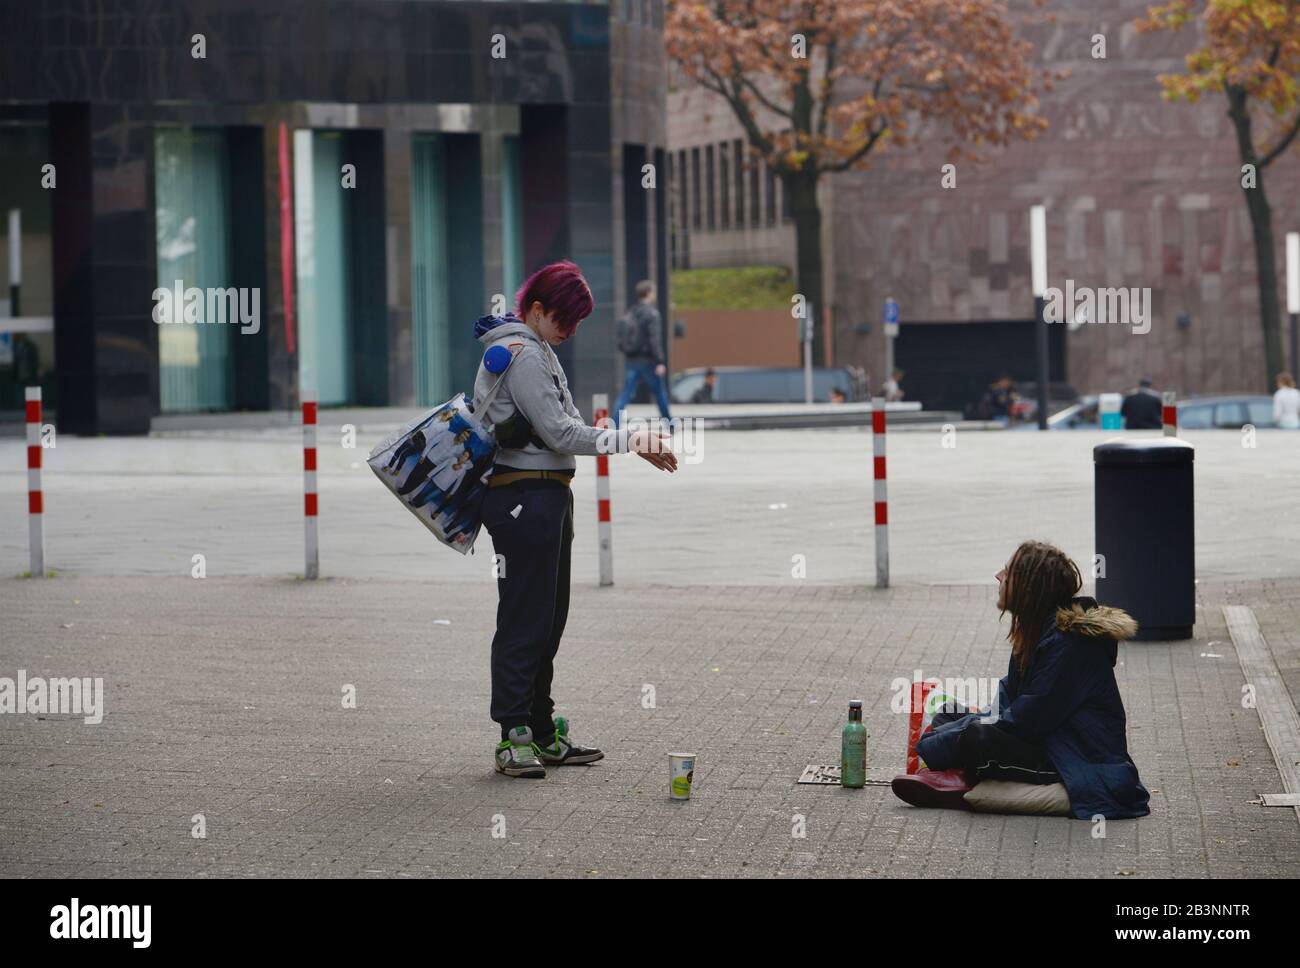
(1085, 617)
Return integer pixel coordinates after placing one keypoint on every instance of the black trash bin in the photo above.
(1145, 533)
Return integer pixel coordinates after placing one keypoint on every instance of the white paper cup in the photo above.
(681, 771)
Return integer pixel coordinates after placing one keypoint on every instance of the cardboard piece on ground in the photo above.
(817, 775)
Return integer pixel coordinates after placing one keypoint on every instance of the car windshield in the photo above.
(758, 386)
(685, 387)
(1260, 412)
(1228, 415)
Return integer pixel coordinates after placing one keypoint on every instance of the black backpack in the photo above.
(631, 334)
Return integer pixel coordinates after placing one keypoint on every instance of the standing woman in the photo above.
(1286, 403)
(528, 510)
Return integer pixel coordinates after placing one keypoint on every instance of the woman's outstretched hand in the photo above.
(655, 448)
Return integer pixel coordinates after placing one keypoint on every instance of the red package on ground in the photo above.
(927, 699)
(916, 722)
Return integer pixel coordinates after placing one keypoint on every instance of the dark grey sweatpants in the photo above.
(533, 598)
(991, 753)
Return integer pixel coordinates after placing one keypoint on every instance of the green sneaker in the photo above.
(564, 752)
(517, 756)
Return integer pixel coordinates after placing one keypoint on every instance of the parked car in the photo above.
(1227, 412)
(761, 384)
(1083, 414)
(1194, 413)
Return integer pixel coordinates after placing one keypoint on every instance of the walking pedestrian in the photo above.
(641, 345)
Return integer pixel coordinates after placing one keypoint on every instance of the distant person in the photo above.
(639, 341)
(705, 393)
(1286, 403)
(1000, 400)
(894, 387)
(1142, 409)
(27, 361)
(838, 395)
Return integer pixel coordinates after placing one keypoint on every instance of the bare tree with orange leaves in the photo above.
(1250, 52)
(819, 85)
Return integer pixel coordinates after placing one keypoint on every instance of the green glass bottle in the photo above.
(853, 749)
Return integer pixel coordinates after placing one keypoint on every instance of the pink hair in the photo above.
(561, 290)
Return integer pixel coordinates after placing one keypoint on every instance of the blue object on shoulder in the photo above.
(496, 359)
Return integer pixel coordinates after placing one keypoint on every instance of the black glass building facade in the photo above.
(439, 152)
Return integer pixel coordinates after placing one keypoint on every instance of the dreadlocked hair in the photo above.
(1041, 578)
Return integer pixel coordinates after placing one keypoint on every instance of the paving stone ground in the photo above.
(224, 698)
(147, 505)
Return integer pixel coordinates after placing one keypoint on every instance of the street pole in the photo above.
(1038, 267)
(1293, 297)
(892, 316)
(15, 260)
(808, 324)
(1040, 346)
(889, 359)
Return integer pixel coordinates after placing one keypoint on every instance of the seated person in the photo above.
(1059, 718)
(705, 393)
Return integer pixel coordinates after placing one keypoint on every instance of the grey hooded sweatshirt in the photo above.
(537, 391)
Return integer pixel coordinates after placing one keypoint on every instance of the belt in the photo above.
(501, 480)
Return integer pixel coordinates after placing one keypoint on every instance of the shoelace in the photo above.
(515, 747)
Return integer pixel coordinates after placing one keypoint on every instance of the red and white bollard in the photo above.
(35, 499)
(604, 527)
(309, 486)
(1169, 413)
(882, 493)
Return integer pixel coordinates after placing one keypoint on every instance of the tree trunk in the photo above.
(802, 187)
(1261, 225)
(1270, 306)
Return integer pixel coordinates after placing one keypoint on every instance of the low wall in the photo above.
(735, 337)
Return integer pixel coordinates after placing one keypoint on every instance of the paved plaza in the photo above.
(224, 696)
(146, 506)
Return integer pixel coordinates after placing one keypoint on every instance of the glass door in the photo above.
(322, 256)
(195, 359)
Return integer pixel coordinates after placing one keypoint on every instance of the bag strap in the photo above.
(500, 381)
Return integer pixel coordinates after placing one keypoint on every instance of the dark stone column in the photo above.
(105, 338)
(594, 219)
(248, 265)
(543, 144)
(72, 220)
(365, 150)
(660, 198)
(568, 214)
(544, 178)
(636, 214)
